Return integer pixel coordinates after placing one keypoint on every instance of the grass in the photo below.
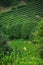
(30, 56)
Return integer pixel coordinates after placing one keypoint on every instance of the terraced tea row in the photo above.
(29, 13)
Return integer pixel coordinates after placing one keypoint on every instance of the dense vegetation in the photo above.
(14, 2)
(21, 33)
(19, 23)
(37, 34)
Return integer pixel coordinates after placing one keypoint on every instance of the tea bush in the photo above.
(5, 50)
(37, 35)
(27, 28)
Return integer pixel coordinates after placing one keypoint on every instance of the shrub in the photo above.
(5, 49)
(27, 28)
(37, 34)
(15, 30)
(40, 49)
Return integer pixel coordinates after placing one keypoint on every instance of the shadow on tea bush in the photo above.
(41, 51)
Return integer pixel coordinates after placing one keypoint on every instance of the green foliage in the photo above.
(20, 23)
(37, 35)
(5, 2)
(27, 28)
(7, 60)
(29, 57)
(2, 37)
(41, 51)
(5, 49)
(15, 2)
(16, 30)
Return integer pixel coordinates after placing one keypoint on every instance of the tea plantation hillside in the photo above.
(14, 23)
(21, 35)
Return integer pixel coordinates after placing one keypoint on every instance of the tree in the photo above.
(5, 2)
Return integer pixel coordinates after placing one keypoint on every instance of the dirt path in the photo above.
(3, 10)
